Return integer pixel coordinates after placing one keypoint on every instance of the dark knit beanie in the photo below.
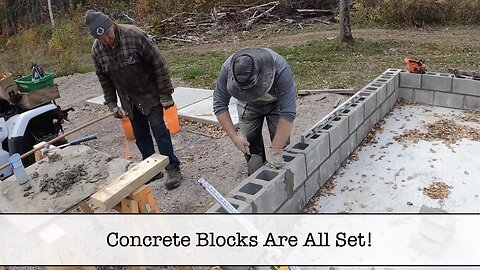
(97, 22)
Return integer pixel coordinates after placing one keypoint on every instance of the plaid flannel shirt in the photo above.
(134, 69)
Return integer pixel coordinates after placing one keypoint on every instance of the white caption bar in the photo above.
(228, 240)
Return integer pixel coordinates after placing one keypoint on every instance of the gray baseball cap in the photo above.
(251, 74)
(97, 23)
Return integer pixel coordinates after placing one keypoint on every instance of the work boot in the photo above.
(174, 177)
(156, 177)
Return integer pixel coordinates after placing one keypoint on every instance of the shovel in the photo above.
(254, 163)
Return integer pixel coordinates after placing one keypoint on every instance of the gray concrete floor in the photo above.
(390, 176)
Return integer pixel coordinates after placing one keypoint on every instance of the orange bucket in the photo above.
(127, 128)
(170, 116)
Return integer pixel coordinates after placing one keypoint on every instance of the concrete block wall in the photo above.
(440, 89)
(309, 164)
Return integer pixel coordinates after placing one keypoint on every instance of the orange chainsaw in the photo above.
(415, 65)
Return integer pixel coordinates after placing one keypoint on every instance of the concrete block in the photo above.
(337, 131)
(472, 103)
(355, 114)
(241, 206)
(405, 93)
(437, 81)
(265, 190)
(316, 149)
(389, 82)
(330, 166)
(313, 184)
(369, 99)
(410, 80)
(393, 101)
(375, 117)
(466, 86)
(384, 109)
(449, 100)
(294, 204)
(380, 90)
(363, 130)
(423, 96)
(347, 147)
(296, 168)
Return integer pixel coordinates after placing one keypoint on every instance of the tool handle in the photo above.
(75, 142)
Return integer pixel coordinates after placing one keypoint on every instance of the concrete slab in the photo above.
(183, 97)
(202, 111)
(390, 176)
(192, 104)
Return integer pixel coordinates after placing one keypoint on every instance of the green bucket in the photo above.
(25, 83)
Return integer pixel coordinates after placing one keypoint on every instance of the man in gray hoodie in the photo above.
(262, 82)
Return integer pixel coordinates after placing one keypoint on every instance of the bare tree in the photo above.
(50, 12)
(345, 30)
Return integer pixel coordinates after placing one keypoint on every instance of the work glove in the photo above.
(275, 158)
(117, 112)
(166, 101)
(241, 143)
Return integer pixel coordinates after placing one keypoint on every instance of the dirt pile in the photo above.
(446, 130)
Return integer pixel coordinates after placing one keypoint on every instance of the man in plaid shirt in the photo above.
(128, 63)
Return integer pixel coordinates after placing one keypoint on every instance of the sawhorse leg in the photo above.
(140, 201)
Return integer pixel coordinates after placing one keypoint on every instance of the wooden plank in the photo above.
(323, 91)
(337, 102)
(123, 186)
(38, 97)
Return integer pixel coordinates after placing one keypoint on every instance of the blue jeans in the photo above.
(251, 117)
(141, 126)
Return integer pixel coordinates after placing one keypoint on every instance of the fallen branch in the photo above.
(335, 105)
(178, 39)
(256, 7)
(253, 20)
(323, 91)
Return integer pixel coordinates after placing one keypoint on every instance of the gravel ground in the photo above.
(215, 159)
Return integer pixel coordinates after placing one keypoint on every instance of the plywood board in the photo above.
(99, 170)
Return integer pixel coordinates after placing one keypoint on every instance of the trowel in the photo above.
(254, 163)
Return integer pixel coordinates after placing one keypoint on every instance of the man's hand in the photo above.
(166, 101)
(117, 112)
(241, 143)
(275, 158)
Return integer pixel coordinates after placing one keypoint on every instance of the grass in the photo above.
(322, 63)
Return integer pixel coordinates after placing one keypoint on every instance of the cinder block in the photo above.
(265, 190)
(393, 101)
(449, 100)
(316, 149)
(347, 147)
(472, 103)
(296, 168)
(241, 207)
(384, 109)
(375, 117)
(313, 184)
(369, 100)
(405, 93)
(389, 82)
(337, 131)
(294, 204)
(380, 90)
(355, 114)
(410, 80)
(466, 86)
(437, 81)
(363, 130)
(423, 96)
(330, 166)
